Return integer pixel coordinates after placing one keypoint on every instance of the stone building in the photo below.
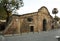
(30, 22)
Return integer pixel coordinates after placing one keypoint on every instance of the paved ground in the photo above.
(41, 36)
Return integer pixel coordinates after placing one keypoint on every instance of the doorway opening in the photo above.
(44, 25)
(31, 28)
(2, 27)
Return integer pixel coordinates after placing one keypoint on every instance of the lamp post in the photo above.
(55, 11)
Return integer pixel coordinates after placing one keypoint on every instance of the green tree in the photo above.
(56, 18)
(7, 6)
(3, 13)
(55, 11)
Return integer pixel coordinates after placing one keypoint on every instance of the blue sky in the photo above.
(34, 5)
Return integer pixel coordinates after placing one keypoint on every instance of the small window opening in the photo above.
(29, 19)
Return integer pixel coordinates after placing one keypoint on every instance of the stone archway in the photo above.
(44, 24)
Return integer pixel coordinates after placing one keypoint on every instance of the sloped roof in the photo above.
(36, 12)
(46, 9)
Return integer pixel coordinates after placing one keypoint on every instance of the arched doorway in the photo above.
(44, 25)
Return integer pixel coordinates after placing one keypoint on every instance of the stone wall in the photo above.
(31, 22)
(37, 22)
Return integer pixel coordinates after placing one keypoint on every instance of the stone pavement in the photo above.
(41, 36)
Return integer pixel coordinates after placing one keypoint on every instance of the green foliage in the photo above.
(13, 2)
(55, 11)
(3, 13)
(3, 7)
(57, 18)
